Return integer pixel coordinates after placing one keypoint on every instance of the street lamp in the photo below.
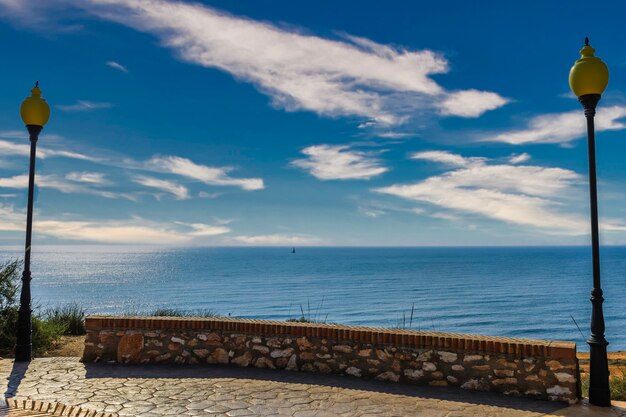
(588, 79)
(35, 113)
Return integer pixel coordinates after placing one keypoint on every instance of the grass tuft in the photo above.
(70, 316)
(310, 316)
(617, 383)
(173, 312)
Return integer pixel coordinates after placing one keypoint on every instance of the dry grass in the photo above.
(67, 346)
(617, 368)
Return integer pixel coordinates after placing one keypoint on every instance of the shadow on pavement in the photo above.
(103, 370)
(15, 378)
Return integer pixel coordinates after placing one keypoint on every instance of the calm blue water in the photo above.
(517, 292)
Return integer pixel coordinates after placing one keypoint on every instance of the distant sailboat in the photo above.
(293, 250)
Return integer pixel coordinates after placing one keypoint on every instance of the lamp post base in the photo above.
(24, 346)
(599, 390)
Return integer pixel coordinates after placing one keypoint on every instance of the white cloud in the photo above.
(371, 212)
(23, 149)
(523, 195)
(447, 158)
(518, 159)
(60, 184)
(338, 162)
(276, 239)
(132, 231)
(200, 229)
(83, 105)
(208, 175)
(561, 128)
(204, 194)
(35, 14)
(395, 135)
(445, 216)
(470, 103)
(348, 76)
(17, 181)
(108, 232)
(159, 164)
(88, 177)
(117, 66)
(11, 220)
(179, 191)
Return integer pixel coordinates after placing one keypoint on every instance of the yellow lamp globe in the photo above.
(589, 75)
(34, 109)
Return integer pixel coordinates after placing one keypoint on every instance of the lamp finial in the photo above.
(586, 41)
(36, 84)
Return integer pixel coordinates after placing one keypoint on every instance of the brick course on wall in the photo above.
(539, 369)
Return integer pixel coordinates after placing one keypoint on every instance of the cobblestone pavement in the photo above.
(13, 407)
(227, 391)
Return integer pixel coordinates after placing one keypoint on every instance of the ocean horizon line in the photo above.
(164, 246)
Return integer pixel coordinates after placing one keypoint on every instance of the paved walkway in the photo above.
(13, 407)
(227, 391)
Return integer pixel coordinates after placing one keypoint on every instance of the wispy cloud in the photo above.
(518, 159)
(201, 229)
(345, 76)
(168, 164)
(339, 162)
(275, 240)
(518, 194)
(88, 177)
(23, 149)
(395, 135)
(117, 66)
(35, 15)
(445, 216)
(208, 175)
(370, 211)
(560, 128)
(61, 184)
(84, 105)
(132, 231)
(179, 191)
(447, 158)
(205, 194)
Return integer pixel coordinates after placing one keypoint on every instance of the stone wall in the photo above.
(539, 369)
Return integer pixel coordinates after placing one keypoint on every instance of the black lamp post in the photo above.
(588, 78)
(35, 113)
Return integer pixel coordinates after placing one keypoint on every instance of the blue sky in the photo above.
(310, 123)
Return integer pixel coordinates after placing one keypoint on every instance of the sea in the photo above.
(528, 292)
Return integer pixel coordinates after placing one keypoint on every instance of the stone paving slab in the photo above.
(13, 407)
(153, 390)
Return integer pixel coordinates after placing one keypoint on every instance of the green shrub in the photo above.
(8, 330)
(9, 278)
(44, 335)
(70, 316)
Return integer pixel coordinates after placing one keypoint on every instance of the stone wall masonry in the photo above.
(520, 367)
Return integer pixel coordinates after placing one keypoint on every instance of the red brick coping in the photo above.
(410, 338)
